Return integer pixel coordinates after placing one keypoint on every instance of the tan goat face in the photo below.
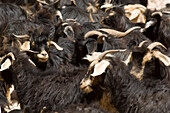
(93, 79)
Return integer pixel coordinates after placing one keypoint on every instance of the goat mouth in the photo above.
(43, 59)
(86, 89)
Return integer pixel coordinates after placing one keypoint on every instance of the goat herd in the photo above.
(84, 56)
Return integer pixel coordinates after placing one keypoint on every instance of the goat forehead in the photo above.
(40, 39)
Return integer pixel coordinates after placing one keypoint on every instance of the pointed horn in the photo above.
(107, 4)
(58, 13)
(91, 17)
(154, 44)
(118, 33)
(92, 33)
(110, 51)
(141, 44)
(73, 2)
(21, 36)
(42, 2)
(30, 51)
(155, 13)
(57, 46)
(167, 12)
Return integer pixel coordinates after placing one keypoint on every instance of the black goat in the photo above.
(56, 90)
(157, 29)
(127, 93)
(117, 20)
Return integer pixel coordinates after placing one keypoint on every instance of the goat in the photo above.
(56, 90)
(157, 29)
(127, 93)
(117, 20)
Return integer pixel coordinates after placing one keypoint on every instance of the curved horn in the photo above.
(155, 13)
(118, 33)
(53, 43)
(43, 2)
(58, 13)
(154, 44)
(110, 51)
(91, 17)
(167, 12)
(31, 51)
(21, 36)
(141, 44)
(73, 2)
(91, 33)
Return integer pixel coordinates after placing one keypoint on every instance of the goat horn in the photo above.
(58, 13)
(155, 13)
(43, 2)
(91, 33)
(118, 33)
(90, 17)
(167, 12)
(107, 4)
(31, 51)
(110, 51)
(21, 36)
(73, 2)
(154, 44)
(57, 46)
(141, 44)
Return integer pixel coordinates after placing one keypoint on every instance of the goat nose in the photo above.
(44, 54)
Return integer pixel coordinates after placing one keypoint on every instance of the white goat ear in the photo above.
(100, 68)
(5, 65)
(134, 14)
(25, 45)
(163, 58)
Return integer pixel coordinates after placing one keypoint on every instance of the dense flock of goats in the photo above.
(84, 56)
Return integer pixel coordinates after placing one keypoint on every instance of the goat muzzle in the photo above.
(85, 86)
(43, 56)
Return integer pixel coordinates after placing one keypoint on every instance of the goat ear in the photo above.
(134, 14)
(100, 68)
(25, 45)
(5, 65)
(163, 58)
(69, 31)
